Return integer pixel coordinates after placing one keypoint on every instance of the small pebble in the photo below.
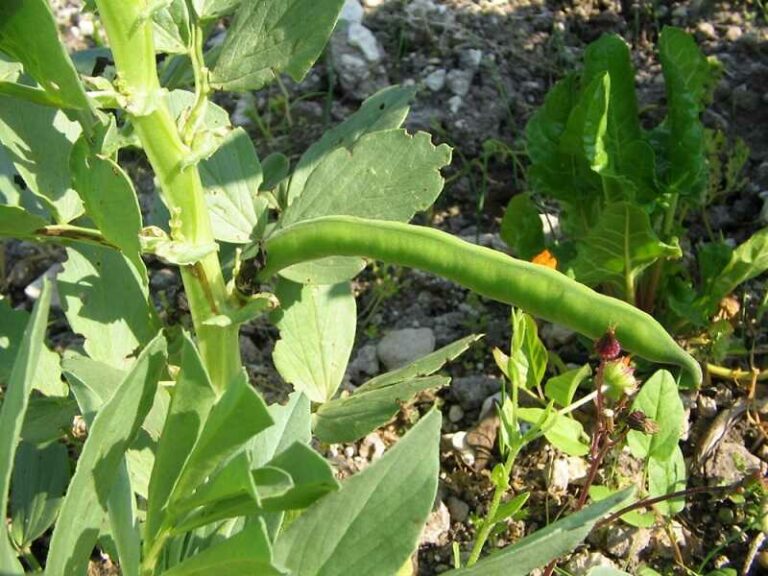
(455, 413)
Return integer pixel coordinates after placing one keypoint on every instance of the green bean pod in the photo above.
(540, 291)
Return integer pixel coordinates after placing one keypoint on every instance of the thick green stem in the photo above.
(129, 28)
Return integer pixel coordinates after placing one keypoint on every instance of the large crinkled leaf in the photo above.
(104, 299)
(248, 552)
(521, 227)
(371, 525)
(748, 261)
(317, 332)
(387, 175)
(659, 400)
(352, 417)
(232, 176)
(546, 544)
(12, 413)
(28, 33)
(193, 397)
(631, 163)
(113, 429)
(110, 200)
(40, 477)
(38, 140)
(619, 248)
(686, 75)
(267, 38)
(554, 172)
(385, 110)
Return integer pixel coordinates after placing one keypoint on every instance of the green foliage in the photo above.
(184, 469)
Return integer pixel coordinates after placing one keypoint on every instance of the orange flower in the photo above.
(545, 258)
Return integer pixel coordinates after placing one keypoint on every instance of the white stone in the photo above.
(459, 82)
(455, 103)
(455, 413)
(352, 11)
(470, 59)
(706, 30)
(435, 81)
(438, 524)
(360, 37)
(400, 347)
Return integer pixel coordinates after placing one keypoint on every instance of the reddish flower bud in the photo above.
(608, 348)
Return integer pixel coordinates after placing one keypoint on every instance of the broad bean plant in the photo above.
(181, 467)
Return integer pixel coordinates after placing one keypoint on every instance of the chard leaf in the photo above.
(350, 418)
(38, 141)
(686, 75)
(114, 428)
(546, 544)
(110, 201)
(562, 174)
(248, 552)
(387, 503)
(317, 332)
(40, 477)
(28, 33)
(665, 477)
(232, 177)
(521, 227)
(267, 38)
(659, 400)
(748, 261)
(105, 300)
(619, 248)
(387, 175)
(13, 410)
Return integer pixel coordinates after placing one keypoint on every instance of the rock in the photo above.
(580, 564)
(489, 405)
(454, 104)
(705, 31)
(623, 541)
(459, 443)
(706, 406)
(372, 447)
(357, 58)
(436, 529)
(35, 288)
(455, 413)
(374, 3)
(566, 471)
(470, 59)
(352, 11)
(164, 279)
(459, 81)
(730, 463)
(555, 335)
(733, 33)
(458, 509)
(745, 98)
(471, 391)
(420, 8)
(435, 80)
(366, 362)
(680, 12)
(361, 37)
(402, 346)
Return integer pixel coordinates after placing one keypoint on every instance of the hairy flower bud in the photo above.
(619, 377)
(608, 347)
(637, 420)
